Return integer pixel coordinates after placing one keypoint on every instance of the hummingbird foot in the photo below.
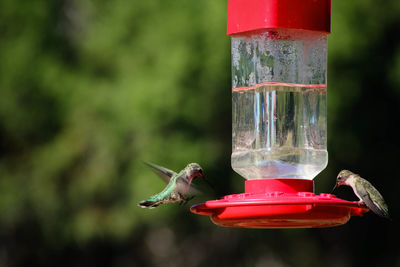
(185, 200)
(189, 198)
(360, 203)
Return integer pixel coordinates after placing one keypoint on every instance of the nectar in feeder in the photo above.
(279, 118)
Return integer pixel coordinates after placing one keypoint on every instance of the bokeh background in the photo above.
(91, 89)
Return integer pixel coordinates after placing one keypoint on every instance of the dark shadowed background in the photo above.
(90, 89)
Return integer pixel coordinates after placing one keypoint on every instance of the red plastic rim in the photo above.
(279, 203)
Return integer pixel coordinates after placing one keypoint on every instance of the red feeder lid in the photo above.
(250, 15)
(279, 203)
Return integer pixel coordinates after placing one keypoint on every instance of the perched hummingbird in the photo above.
(365, 192)
(178, 185)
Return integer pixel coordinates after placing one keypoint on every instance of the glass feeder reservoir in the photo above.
(279, 104)
(279, 117)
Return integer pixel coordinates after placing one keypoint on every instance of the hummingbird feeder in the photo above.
(279, 126)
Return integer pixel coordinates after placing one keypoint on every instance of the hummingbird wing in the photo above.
(163, 172)
(372, 198)
(184, 187)
(167, 174)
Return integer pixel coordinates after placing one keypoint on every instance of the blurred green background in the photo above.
(90, 89)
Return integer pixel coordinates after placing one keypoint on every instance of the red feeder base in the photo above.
(279, 203)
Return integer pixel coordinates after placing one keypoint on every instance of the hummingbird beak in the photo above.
(334, 188)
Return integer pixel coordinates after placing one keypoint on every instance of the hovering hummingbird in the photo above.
(365, 192)
(178, 185)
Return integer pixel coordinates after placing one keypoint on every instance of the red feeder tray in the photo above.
(279, 203)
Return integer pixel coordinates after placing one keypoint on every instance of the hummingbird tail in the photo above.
(148, 204)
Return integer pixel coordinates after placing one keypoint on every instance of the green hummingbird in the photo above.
(365, 192)
(179, 185)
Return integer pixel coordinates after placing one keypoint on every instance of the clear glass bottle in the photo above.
(279, 126)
